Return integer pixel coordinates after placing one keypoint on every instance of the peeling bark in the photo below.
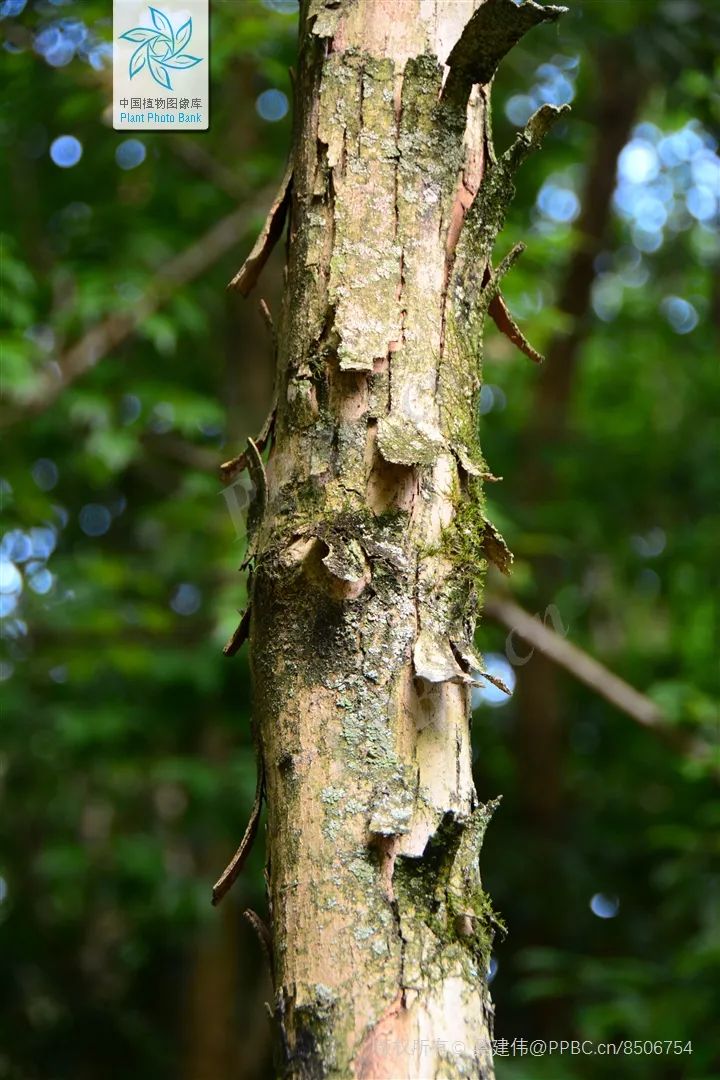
(369, 542)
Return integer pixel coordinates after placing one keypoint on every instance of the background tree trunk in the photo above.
(368, 541)
(541, 735)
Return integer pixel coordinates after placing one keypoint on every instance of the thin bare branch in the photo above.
(116, 328)
(590, 672)
(492, 278)
(500, 314)
(178, 449)
(193, 154)
(493, 301)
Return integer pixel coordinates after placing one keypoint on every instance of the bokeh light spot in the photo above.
(43, 539)
(45, 474)
(283, 7)
(186, 599)
(130, 153)
(10, 8)
(66, 151)
(558, 203)
(61, 54)
(272, 105)
(638, 162)
(486, 399)
(41, 582)
(647, 240)
(603, 906)
(130, 408)
(651, 544)
(8, 603)
(607, 296)
(11, 581)
(680, 314)
(163, 418)
(702, 202)
(16, 546)
(95, 519)
(519, 109)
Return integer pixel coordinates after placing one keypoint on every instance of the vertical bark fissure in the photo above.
(370, 543)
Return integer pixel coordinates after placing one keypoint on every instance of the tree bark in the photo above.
(368, 542)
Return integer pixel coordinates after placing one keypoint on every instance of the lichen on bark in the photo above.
(370, 541)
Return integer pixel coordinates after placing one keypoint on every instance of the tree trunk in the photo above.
(368, 542)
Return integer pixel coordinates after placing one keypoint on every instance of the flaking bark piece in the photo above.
(237, 639)
(345, 559)
(496, 549)
(401, 442)
(393, 810)
(488, 36)
(385, 550)
(495, 680)
(463, 878)
(326, 15)
(476, 666)
(474, 290)
(232, 870)
(248, 274)
(472, 467)
(268, 320)
(434, 661)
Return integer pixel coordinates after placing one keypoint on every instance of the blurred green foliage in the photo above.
(126, 762)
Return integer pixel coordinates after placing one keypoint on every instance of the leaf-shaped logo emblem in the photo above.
(184, 34)
(160, 49)
(162, 23)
